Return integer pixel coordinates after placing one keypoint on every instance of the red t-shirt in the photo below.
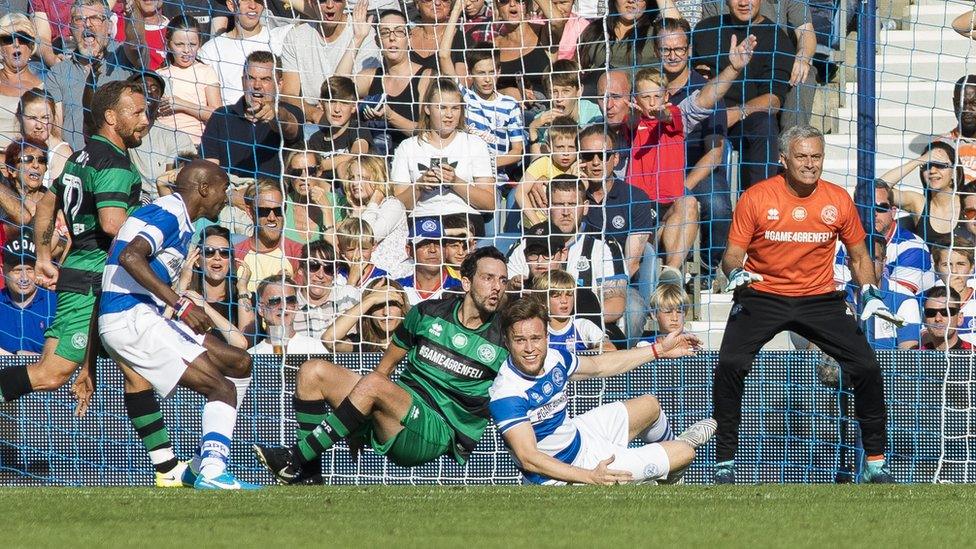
(657, 158)
(791, 241)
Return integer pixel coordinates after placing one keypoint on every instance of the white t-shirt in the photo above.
(468, 154)
(306, 53)
(299, 344)
(227, 56)
(388, 219)
(578, 335)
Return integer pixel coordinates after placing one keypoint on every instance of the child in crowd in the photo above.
(669, 304)
(355, 248)
(565, 90)
(338, 139)
(531, 195)
(566, 331)
(458, 242)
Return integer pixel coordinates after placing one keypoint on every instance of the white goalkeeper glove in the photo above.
(740, 278)
(873, 305)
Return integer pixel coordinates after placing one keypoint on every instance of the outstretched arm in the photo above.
(521, 440)
(739, 57)
(675, 345)
(447, 39)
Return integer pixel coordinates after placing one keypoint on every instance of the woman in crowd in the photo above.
(310, 207)
(392, 93)
(35, 115)
(192, 87)
(524, 59)
(444, 170)
(370, 198)
(215, 279)
(24, 165)
(628, 33)
(319, 294)
(17, 45)
(368, 326)
(935, 213)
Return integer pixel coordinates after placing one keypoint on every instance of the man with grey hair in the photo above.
(788, 226)
(96, 60)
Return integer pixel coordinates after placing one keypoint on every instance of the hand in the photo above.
(259, 112)
(243, 276)
(375, 113)
(741, 54)
(430, 178)
(198, 321)
(46, 273)
(82, 390)
(801, 66)
(741, 278)
(677, 345)
(165, 107)
(318, 195)
(603, 475)
(360, 23)
(537, 195)
(446, 174)
(873, 305)
(186, 273)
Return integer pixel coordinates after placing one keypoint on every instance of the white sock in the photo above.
(242, 383)
(659, 431)
(218, 427)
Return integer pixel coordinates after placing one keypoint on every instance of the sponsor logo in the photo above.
(799, 213)
(829, 214)
(448, 364)
(536, 397)
(800, 237)
(436, 329)
(582, 264)
(487, 353)
(549, 409)
(79, 340)
(429, 226)
(459, 340)
(651, 471)
(547, 388)
(618, 222)
(772, 214)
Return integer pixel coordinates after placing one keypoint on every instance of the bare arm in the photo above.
(806, 40)
(45, 38)
(734, 258)
(135, 48)
(111, 220)
(391, 358)
(764, 103)
(675, 345)
(964, 25)
(359, 19)
(134, 259)
(862, 266)
(513, 156)
(447, 39)
(480, 194)
(13, 206)
(522, 441)
(634, 250)
(907, 200)
(44, 225)
(739, 56)
(708, 162)
(291, 92)
(669, 9)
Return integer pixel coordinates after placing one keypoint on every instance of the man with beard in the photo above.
(439, 405)
(963, 137)
(25, 310)
(97, 60)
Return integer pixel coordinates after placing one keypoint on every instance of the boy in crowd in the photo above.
(669, 304)
(565, 92)
(338, 139)
(355, 247)
(566, 331)
(431, 277)
(530, 194)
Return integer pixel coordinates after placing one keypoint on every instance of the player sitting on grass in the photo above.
(439, 406)
(529, 406)
(147, 255)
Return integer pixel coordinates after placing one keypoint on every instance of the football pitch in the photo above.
(512, 516)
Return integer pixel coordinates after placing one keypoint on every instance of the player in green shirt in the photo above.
(439, 406)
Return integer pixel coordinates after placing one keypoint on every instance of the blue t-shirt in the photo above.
(23, 329)
(627, 210)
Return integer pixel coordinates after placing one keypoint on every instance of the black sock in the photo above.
(309, 414)
(147, 419)
(14, 383)
(338, 425)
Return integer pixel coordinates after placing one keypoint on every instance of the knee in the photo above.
(651, 406)
(313, 374)
(218, 387)
(242, 364)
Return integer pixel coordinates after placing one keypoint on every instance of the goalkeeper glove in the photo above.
(740, 277)
(873, 305)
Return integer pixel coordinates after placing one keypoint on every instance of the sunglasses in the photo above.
(588, 156)
(267, 211)
(316, 266)
(295, 172)
(9, 39)
(210, 251)
(930, 313)
(936, 164)
(30, 158)
(277, 300)
(882, 208)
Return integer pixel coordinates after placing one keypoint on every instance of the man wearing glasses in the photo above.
(942, 320)
(96, 60)
(268, 252)
(319, 295)
(278, 305)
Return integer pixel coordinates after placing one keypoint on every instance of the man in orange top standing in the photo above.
(788, 226)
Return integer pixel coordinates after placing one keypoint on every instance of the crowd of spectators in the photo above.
(373, 144)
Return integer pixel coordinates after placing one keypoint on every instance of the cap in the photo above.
(425, 228)
(543, 238)
(140, 78)
(20, 249)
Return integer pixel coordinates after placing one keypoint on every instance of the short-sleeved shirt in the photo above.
(626, 210)
(245, 149)
(166, 226)
(99, 176)
(189, 84)
(23, 327)
(306, 53)
(415, 296)
(578, 335)
(227, 55)
(66, 84)
(327, 143)
(498, 121)
(283, 259)
(791, 241)
(451, 367)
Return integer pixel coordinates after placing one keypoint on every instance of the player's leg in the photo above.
(829, 324)
(233, 362)
(142, 407)
(647, 420)
(754, 320)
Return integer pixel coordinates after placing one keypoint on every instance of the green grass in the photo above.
(623, 516)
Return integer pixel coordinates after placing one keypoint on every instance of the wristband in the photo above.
(654, 350)
(183, 307)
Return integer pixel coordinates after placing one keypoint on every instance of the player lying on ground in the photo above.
(529, 406)
(438, 406)
(145, 258)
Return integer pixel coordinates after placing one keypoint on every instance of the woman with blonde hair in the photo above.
(444, 170)
(310, 207)
(369, 194)
(18, 42)
(377, 316)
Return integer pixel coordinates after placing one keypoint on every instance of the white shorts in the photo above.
(156, 348)
(604, 432)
